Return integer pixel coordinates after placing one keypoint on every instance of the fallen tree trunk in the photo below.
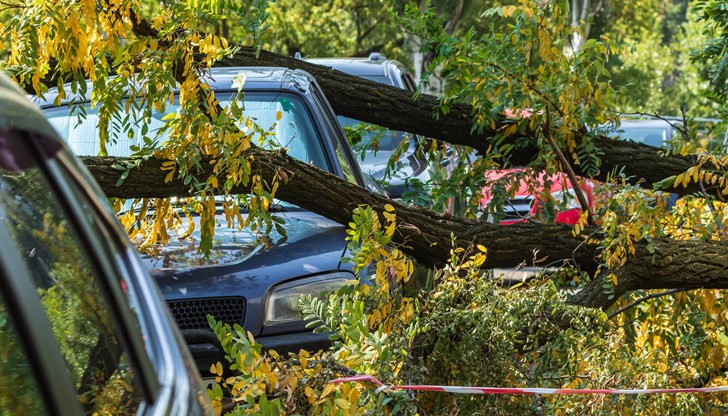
(426, 235)
(397, 109)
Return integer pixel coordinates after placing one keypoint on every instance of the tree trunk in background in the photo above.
(434, 84)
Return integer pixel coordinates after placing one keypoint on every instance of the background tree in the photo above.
(655, 70)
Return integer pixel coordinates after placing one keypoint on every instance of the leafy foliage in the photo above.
(527, 73)
(95, 42)
(714, 51)
(453, 325)
(466, 329)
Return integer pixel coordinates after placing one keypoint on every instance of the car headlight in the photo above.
(282, 304)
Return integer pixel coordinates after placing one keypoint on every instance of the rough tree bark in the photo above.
(425, 235)
(397, 109)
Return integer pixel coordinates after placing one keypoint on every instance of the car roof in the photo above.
(256, 78)
(259, 77)
(374, 66)
(17, 112)
(354, 66)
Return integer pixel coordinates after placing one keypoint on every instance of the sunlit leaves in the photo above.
(92, 40)
(526, 78)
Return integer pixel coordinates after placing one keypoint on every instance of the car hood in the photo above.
(312, 244)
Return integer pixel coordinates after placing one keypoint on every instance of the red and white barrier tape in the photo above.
(523, 390)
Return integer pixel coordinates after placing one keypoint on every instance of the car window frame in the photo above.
(156, 316)
(37, 338)
(337, 133)
(106, 274)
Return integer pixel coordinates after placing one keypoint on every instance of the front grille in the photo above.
(517, 208)
(192, 314)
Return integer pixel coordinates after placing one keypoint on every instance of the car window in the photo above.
(382, 79)
(387, 140)
(295, 130)
(346, 167)
(69, 289)
(651, 136)
(19, 393)
(409, 82)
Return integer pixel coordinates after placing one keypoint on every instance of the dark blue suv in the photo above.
(251, 279)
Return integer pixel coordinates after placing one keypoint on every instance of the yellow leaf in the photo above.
(274, 189)
(662, 367)
(279, 115)
(388, 207)
(390, 229)
(482, 248)
(304, 362)
(293, 382)
(328, 390)
(342, 403)
(508, 10)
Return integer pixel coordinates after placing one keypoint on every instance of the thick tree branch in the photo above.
(425, 235)
(397, 109)
(394, 108)
(676, 264)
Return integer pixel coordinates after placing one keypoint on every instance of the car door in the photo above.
(72, 300)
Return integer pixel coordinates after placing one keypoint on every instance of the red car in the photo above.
(529, 197)
(529, 192)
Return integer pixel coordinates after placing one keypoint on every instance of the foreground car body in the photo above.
(82, 326)
(250, 279)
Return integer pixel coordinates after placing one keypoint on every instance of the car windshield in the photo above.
(295, 130)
